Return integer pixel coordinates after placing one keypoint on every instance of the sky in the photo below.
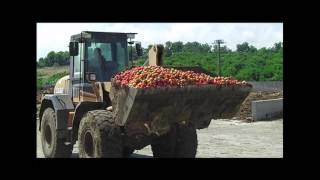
(56, 36)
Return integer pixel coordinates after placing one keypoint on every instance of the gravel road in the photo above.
(226, 139)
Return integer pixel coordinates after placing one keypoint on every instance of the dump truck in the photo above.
(112, 121)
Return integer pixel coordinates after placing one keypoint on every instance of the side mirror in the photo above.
(73, 48)
(138, 49)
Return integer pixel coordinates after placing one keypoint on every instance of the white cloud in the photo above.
(55, 36)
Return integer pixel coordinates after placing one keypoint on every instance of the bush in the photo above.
(51, 81)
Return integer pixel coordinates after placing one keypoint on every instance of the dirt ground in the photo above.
(245, 113)
(227, 139)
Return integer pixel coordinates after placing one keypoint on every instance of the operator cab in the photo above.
(96, 57)
(102, 54)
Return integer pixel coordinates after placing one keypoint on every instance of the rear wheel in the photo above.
(180, 142)
(186, 142)
(98, 136)
(127, 152)
(52, 146)
(164, 146)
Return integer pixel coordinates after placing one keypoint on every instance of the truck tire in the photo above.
(180, 142)
(164, 146)
(186, 141)
(52, 147)
(98, 136)
(127, 152)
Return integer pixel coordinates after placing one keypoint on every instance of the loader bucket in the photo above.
(154, 110)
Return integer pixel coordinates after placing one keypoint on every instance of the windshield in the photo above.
(106, 59)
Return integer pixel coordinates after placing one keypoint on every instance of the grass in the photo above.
(50, 75)
(49, 71)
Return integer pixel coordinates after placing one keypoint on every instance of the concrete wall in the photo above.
(267, 109)
(267, 85)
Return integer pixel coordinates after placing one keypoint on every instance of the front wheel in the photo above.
(98, 136)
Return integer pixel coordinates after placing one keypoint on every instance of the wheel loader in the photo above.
(109, 121)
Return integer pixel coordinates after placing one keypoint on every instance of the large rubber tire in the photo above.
(164, 146)
(98, 136)
(186, 142)
(127, 152)
(180, 142)
(52, 147)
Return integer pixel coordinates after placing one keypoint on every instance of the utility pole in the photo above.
(219, 41)
(131, 36)
(131, 42)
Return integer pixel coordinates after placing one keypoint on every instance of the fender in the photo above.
(62, 104)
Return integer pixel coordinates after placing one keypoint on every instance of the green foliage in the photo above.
(59, 58)
(223, 49)
(246, 63)
(134, 53)
(177, 46)
(168, 49)
(244, 48)
(51, 80)
(196, 47)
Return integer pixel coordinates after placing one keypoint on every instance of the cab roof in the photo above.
(99, 35)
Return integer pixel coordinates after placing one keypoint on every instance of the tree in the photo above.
(223, 49)
(252, 49)
(277, 46)
(59, 59)
(64, 58)
(206, 48)
(167, 48)
(134, 53)
(177, 47)
(192, 47)
(51, 57)
(41, 62)
(245, 63)
(168, 44)
(244, 47)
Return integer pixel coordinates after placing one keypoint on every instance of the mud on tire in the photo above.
(186, 141)
(52, 146)
(164, 146)
(98, 136)
(180, 142)
(127, 152)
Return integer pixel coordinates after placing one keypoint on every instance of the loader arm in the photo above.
(156, 55)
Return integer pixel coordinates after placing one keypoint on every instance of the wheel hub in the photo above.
(88, 144)
(48, 135)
